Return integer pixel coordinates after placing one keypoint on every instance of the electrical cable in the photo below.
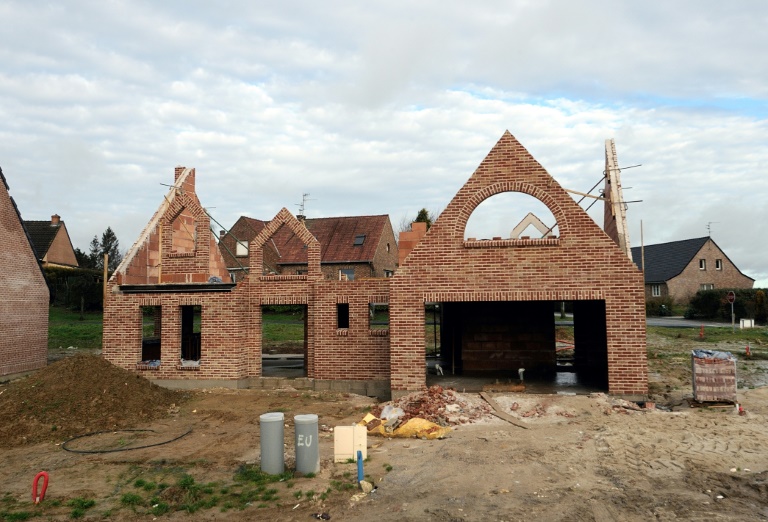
(64, 445)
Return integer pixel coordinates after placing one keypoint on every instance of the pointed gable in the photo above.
(176, 245)
(285, 222)
(509, 167)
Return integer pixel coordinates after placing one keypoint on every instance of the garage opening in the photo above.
(284, 341)
(556, 345)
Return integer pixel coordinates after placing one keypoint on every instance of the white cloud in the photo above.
(384, 108)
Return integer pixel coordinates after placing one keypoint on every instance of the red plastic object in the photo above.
(35, 497)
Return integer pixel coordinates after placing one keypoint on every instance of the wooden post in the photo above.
(104, 290)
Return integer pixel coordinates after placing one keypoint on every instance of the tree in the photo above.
(108, 245)
(94, 253)
(424, 216)
(83, 260)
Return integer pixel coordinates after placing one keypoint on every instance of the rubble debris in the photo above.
(442, 406)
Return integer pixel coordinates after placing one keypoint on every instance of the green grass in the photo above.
(66, 329)
(754, 336)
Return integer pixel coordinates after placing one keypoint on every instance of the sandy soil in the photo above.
(578, 457)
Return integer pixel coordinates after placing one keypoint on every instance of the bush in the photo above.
(69, 286)
(713, 304)
(658, 307)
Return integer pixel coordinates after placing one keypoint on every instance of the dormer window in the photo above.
(359, 240)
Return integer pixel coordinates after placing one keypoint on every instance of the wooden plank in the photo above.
(500, 413)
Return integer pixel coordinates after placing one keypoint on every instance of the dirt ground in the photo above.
(566, 457)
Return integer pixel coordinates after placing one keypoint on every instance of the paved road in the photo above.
(681, 322)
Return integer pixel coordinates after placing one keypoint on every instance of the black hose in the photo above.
(64, 445)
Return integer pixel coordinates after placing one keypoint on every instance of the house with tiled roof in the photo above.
(51, 242)
(352, 247)
(23, 294)
(679, 269)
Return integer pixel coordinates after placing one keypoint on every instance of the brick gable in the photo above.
(583, 264)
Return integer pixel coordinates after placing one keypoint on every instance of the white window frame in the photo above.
(718, 264)
(656, 290)
(241, 249)
(702, 264)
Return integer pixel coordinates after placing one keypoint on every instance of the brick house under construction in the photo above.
(496, 297)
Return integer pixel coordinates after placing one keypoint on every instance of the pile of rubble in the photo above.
(442, 406)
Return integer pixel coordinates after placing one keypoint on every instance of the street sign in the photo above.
(731, 297)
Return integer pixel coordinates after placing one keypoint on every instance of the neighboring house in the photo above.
(23, 294)
(496, 297)
(352, 247)
(679, 269)
(51, 242)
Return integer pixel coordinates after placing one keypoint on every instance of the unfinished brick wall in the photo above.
(582, 264)
(23, 295)
(222, 333)
(683, 287)
(357, 352)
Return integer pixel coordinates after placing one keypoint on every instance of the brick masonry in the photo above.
(23, 295)
(582, 265)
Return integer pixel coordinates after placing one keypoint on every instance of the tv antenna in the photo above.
(709, 227)
(304, 198)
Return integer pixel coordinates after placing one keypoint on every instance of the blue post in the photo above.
(359, 466)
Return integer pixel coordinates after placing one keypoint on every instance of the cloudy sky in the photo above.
(385, 108)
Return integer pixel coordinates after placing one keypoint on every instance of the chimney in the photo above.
(222, 233)
(301, 218)
(55, 219)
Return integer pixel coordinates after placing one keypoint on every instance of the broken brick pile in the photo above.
(443, 406)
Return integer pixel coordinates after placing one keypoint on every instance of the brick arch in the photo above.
(284, 217)
(509, 186)
(183, 202)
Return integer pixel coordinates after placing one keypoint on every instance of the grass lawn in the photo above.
(67, 328)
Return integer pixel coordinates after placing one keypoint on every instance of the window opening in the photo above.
(359, 240)
(432, 320)
(707, 286)
(242, 249)
(378, 316)
(342, 315)
(190, 335)
(702, 264)
(151, 333)
(718, 264)
(347, 274)
(389, 273)
(511, 215)
(655, 290)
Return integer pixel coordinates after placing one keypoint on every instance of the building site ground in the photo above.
(569, 457)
